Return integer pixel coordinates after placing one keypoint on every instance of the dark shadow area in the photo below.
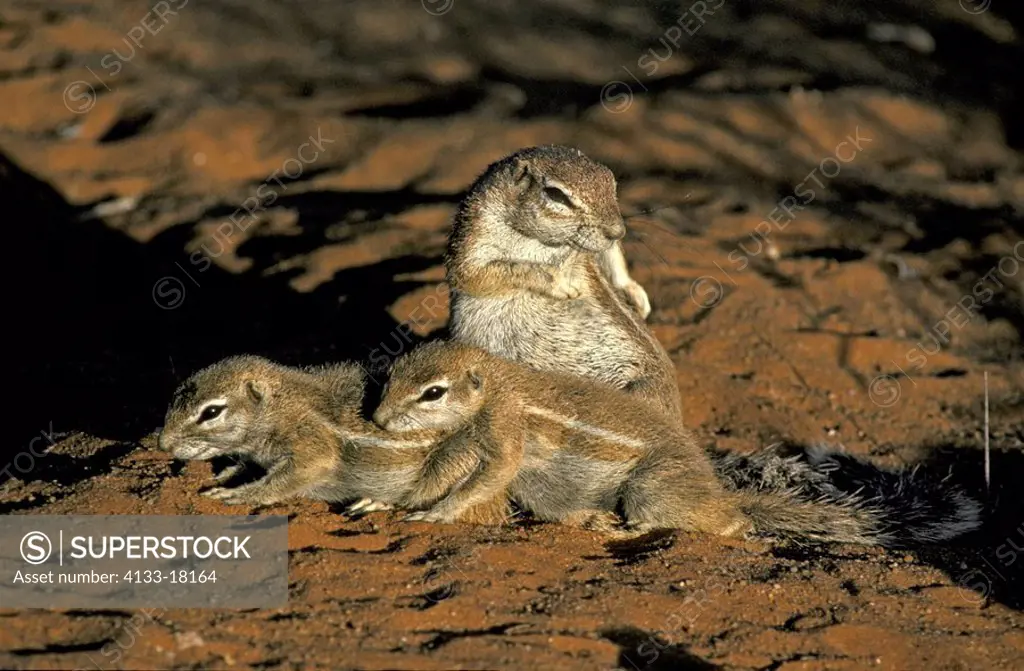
(987, 565)
(62, 469)
(320, 209)
(428, 600)
(824, 47)
(129, 126)
(569, 98)
(442, 638)
(818, 47)
(105, 328)
(58, 648)
(967, 65)
(445, 102)
(633, 551)
(990, 283)
(650, 652)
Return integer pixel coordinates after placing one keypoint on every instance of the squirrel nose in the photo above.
(615, 231)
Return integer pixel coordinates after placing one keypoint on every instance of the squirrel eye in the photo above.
(558, 196)
(433, 393)
(210, 412)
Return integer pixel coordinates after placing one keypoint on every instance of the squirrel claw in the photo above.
(565, 288)
(568, 293)
(423, 516)
(358, 506)
(427, 516)
(237, 496)
(366, 505)
(227, 473)
(638, 297)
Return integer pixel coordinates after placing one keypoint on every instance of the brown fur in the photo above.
(545, 283)
(304, 426)
(565, 448)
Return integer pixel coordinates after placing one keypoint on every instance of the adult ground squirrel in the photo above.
(537, 275)
(578, 451)
(305, 427)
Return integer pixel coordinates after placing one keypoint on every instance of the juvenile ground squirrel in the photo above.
(537, 275)
(566, 448)
(304, 426)
(577, 451)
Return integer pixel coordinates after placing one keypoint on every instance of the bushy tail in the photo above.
(826, 495)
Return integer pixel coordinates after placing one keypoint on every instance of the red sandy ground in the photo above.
(790, 340)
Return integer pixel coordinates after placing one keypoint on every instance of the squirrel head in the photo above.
(439, 385)
(214, 411)
(558, 196)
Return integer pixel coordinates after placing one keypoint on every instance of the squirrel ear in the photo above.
(522, 171)
(256, 390)
(475, 379)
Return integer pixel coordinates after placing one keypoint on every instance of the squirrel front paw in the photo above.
(217, 492)
(237, 496)
(565, 286)
(638, 297)
(365, 505)
(432, 515)
(228, 473)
